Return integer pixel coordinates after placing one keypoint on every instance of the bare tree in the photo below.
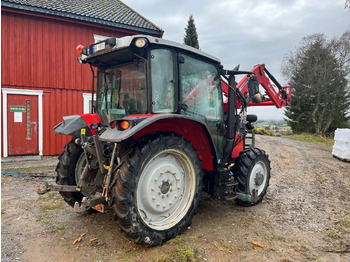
(341, 48)
(347, 4)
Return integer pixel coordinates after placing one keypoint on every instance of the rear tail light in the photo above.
(124, 125)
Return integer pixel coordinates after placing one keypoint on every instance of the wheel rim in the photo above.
(79, 170)
(258, 178)
(166, 189)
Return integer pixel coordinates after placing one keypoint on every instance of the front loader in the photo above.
(168, 122)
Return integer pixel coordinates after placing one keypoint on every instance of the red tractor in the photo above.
(168, 122)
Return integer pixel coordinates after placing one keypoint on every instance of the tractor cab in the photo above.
(143, 76)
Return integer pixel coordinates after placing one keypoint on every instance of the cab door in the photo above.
(201, 96)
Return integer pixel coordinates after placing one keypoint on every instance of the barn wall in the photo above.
(38, 53)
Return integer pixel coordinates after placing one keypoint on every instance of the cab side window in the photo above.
(200, 89)
(163, 81)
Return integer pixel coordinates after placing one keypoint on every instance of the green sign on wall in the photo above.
(17, 108)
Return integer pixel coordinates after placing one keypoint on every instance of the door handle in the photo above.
(34, 123)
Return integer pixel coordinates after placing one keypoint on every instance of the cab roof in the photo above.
(128, 41)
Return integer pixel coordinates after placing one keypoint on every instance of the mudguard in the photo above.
(180, 124)
(139, 123)
(71, 125)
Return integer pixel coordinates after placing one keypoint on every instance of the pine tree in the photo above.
(191, 37)
(320, 98)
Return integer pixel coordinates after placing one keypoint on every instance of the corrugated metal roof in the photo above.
(112, 13)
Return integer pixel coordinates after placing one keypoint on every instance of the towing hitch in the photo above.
(247, 197)
(63, 188)
(95, 203)
(98, 202)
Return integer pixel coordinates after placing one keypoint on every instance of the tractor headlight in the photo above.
(141, 42)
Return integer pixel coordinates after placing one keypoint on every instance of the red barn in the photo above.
(41, 80)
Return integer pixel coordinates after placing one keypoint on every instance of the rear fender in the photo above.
(193, 130)
(71, 125)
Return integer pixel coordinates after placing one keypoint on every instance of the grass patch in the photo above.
(275, 238)
(93, 243)
(53, 227)
(50, 201)
(28, 170)
(41, 198)
(50, 207)
(345, 222)
(332, 233)
(60, 229)
(340, 229)
(47, 197)
(177, 240)
(313, 138)
(261, 124)
(51, 195)
(185, 254)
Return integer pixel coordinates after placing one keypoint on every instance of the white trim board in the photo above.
(12, 91)
(87, 98)
(99, 38)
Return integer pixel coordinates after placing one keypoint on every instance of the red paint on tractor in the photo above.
(89, 119)
(239, 148)
(191, 131)
(278, 98)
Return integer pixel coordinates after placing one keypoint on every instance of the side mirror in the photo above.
(252, 118)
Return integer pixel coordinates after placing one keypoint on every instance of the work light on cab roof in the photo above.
(97, 47)
(141, 42)
(105, 45)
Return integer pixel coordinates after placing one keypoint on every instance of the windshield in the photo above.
(121, 91)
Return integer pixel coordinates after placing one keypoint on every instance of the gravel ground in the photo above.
(305, 216)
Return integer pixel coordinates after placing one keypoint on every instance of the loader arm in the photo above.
(276, 94)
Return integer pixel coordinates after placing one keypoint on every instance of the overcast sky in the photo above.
(248, 32)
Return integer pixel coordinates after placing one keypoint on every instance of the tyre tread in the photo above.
(65, 170)
(243, 166)
(124, 193)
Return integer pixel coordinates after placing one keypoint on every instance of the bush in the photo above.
(264, 132)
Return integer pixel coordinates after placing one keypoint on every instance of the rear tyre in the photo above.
(65, 169)
(252, 171)
(158, 190)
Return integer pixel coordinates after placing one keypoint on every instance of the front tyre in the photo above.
(252, 172)
(158, 190)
